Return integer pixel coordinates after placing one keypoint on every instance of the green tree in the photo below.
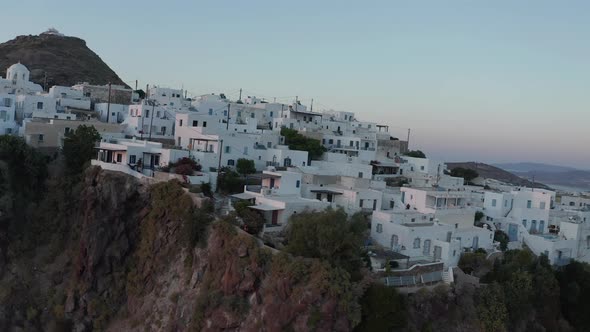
(79, 146)
(245, 166)
(296, 141)
(229, 182)
(491, 309)
(327, 235)
(501, 237)
(383, 309)
(415, 154)
(466, 173)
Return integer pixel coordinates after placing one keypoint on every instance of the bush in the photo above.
(415, 154)
(184, 170)
(245, 166)
(206, 189)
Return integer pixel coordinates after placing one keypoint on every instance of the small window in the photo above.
(180, 125)
(416, 243)
(493, 202)
(41, 137)
(252, 115)
(421, 168)
(227, 149)
(529, 204)
(210, 111)
(379, 228)
(132, 159)
(147, 113)
(361, 175)
(39, 105)
(204, 124)
(297, 184)
(119, 157)
(269, 144)
(195, 123)
(271, 114)
(67, 130)
(230, 162)
(542, 206)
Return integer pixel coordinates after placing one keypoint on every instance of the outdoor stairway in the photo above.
(447, 276)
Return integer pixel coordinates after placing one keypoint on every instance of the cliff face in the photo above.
(65, 60)
(143, 259)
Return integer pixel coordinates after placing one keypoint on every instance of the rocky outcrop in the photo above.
(143, 259)
(60, 60)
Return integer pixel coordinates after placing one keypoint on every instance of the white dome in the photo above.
(18, 67)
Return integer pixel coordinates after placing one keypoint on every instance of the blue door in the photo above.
(533, 227)
(513, 232)
(541, 226)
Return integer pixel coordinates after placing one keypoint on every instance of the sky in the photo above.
(489, 81)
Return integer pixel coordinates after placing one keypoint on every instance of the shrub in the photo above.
(184, 169)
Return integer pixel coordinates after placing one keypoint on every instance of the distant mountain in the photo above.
(65, 60)
(533, 167)
(492, 172)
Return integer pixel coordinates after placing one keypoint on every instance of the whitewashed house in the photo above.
(17, 81)
(147, 119)
(8, 124)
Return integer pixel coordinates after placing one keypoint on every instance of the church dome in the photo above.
(18, 73)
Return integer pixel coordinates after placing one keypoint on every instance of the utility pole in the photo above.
(408, 139)
(282, 109)
(219, 162)
(227, 124)
(152, 118)
(240, 99)
(109, 104)
(135, 85)
(143, 103)
(296, 102)
(311, 108)
(45, 82)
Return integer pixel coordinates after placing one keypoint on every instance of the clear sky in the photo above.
(491, 81)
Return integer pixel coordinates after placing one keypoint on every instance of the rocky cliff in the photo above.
(60, 59)
(141, 258)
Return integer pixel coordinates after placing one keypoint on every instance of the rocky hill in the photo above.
(63, 60)
(139, 258)
(492, 172)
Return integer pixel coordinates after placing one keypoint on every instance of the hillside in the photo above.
(533, 167)
(492, 172)
(65, 60)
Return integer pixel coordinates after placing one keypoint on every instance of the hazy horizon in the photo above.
(476, 81)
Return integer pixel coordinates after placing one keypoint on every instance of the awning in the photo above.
(264, 207)
(326, 191)
(269, 176)
(244, 196)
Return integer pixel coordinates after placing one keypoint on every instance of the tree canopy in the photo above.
(78, 147)
(245, 166)
(328, 235)
(296, 141)
(415, 154)
(466, 173)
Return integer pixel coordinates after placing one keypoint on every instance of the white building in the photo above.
(279, 198)
(8, 123)
(149, 120)
(17, 81)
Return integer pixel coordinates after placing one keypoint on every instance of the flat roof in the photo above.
(268, 176)
(265, 207)
(325, 191)
(110, 148)
(244, 196)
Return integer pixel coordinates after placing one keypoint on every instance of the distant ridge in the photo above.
(66, 60)
(492, 172)
(533, 167)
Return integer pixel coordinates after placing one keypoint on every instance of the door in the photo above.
(449, 234)
(272, 182)
(394, 241)
(318, 196)
(426, 249)
(330, 197)
(275, 217)
(437, 252)
(541, 226)
(475, 243)
(512, 232)
(533, 226)
(374, 204)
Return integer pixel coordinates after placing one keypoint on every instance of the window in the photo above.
(505, 203)
(351, 143)
(195, 123)
(132, 159)
(3, 115)
(269, 144)
(230, 162)
(421, 168)
(39, 105)
(330, 141)
(41, 137)
(494, 202)
(413, 219)
(252, 115)
(271, 114)
(157, 114)
(529, 204)
(147, 113)
(297, 184)
(227, 149)
(67, 130)
(246, 150)
(416, 243)
(542, 206)
(239, 113)
(210, 111)
(379, 228)
(204, 124)
(361, 203)
(119, 157)
(361, 175)
(323, 141)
